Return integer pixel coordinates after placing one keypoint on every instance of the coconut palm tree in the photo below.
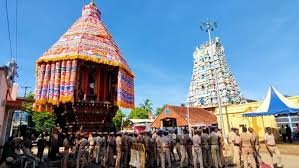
(147, 105)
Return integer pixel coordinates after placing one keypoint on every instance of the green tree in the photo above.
(117, 119)
(160, 109)
(138, 113)
(147, 105)
(41, 121)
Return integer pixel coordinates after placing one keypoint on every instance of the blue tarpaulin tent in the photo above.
(274, 104)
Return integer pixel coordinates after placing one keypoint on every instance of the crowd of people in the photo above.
(17, 151)
(202, 148)
(287, 134)
(167, 148)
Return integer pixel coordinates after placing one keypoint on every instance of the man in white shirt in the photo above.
(271, 146)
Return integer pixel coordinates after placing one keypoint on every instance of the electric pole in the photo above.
(208, 27)
(25, 90)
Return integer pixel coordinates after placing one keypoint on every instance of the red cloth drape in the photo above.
(105, 85)
(98, 84)
(85, 81)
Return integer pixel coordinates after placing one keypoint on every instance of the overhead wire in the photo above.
(16, 36)
(8, 28)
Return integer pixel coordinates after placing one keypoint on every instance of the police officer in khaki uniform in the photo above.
(221, 146)
(171, 136)
(159, 144)
(104, 153)
(188, 147)
(118, 143)
(247, 148)
(205, 148)
(98, 140)
(82, 153)
(91, 150)
(66, 152)
(177, 144)
(271, 147)
(165, 141)
(148, 144)
(110, 149)
(182, 142)
(215, 141)
(256, 152)
(236, 142)
(125, 149)
(231, 136)
(196, 151)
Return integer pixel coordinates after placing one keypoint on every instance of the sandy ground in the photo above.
(288, 161)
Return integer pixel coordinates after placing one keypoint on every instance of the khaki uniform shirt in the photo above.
(133, 139)
(165, 140)
(83, 143)
(236, 140)
(147, 143)
(181, 139)
(196, 141)
(214, 138)
(205, 139)
(91, 141)
(118, 141)
(66, 143)
(231, 136)
(124, 141)
(158, 141)
(140, 138)
(246, 139)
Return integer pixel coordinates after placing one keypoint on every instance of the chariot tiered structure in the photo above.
(83, 78)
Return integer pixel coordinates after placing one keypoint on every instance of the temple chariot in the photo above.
(83, 78)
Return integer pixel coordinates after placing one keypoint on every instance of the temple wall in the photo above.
(232, 116)
(3, 90)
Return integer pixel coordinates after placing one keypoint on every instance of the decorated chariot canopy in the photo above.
(87, 40)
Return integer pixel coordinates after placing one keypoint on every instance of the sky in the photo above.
(157, 38)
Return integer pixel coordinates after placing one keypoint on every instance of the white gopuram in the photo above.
(208, 62)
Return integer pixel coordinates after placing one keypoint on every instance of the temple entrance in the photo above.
(169, 122)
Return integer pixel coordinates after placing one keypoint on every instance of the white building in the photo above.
(202, 90)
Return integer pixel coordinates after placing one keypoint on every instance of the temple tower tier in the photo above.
(209, 60)
(83, 78)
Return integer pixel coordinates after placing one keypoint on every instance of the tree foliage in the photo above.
(138, 113)
(147, 105)
(41, 121)
(117, 119)
(159, 110)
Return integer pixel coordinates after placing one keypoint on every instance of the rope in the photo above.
(8, 28)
